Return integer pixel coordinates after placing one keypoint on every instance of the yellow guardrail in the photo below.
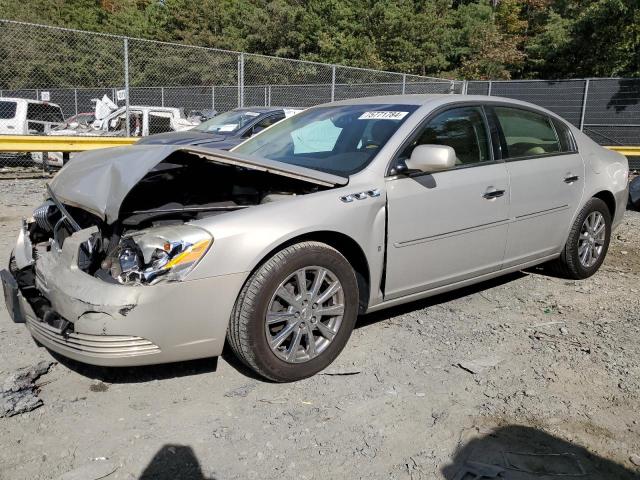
(33, 143)
(628, 151)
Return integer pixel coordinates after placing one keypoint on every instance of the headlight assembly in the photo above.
(161, 254)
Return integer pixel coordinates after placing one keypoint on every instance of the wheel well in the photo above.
(608, 198)
(348, 247)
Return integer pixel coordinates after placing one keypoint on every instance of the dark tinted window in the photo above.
(42, 112)
(567, 142)
(526, 133)
(7, 110)
(463, 129)
(265, 123)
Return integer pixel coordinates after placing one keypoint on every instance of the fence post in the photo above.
(265, 96)
(333, 82)
(465, 87)
(75, 99)
(490, 85)
(213, 97)
(404, 82)
(584, 103)
(162, 96)
(126, 85)
(241, 80)
(269, 104)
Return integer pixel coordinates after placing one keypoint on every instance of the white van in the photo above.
(22, 116)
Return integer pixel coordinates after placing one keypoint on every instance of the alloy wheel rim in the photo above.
(591, 241)
(304, 314)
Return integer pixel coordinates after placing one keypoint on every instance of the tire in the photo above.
(249, 334)
(569, 265)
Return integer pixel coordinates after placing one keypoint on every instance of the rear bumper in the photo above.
(118, 325)
(622, 199)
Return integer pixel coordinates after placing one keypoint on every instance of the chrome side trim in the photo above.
(541, 212)
(453, 233)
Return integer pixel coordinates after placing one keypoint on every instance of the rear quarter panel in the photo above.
(605, 170)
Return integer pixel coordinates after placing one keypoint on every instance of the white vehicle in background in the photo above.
(23, 116)
(111, 121)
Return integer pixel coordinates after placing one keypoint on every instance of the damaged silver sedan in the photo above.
(150, 254)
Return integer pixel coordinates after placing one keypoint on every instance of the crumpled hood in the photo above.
(187, 137)
(99, 180)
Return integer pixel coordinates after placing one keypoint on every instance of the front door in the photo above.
(447, 226)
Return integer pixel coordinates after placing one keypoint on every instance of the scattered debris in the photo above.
(544, 463)
(96, 470)
(479, 470)
(19, 393)
(479, 365)
(242, 391)
(98, 386)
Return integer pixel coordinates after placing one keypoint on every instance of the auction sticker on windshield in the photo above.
(383, 115)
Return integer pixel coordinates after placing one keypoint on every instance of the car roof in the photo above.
(438, 99)
(28, 100)
(263, 109)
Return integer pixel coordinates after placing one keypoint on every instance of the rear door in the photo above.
(447, 226)
(546, 176)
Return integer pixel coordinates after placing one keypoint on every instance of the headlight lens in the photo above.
(162, 254)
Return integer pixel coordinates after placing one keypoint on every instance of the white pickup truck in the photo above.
(111, 121)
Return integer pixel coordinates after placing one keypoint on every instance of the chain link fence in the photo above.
(54, 81)
(82, 83)
(606, 109)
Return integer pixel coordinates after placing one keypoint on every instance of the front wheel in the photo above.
(295, 313)
(587, 243)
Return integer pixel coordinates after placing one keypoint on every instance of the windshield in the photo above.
(339, 140)
(228, 122)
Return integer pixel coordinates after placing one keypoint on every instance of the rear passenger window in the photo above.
(43, 112)
(7, 110)
(528, 134)
(567, 142)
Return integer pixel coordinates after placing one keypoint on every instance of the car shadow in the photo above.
(140, 374)
(173, 462)
(516, 452)
(382, 315)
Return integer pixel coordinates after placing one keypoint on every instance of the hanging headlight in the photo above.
(161, 254)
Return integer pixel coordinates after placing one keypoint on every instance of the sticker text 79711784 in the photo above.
(383, 115)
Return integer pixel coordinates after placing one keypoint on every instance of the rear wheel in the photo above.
(587, 243)
(295, 313)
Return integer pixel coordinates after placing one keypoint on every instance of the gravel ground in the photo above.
(526, 364)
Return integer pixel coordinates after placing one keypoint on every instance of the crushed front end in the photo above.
(101, 273)
(52, 286)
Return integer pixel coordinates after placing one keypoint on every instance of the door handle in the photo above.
(571, 178)
(493, 194)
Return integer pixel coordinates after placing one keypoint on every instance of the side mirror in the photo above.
(432, 158)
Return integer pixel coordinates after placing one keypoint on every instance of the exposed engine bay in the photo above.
(150, 241)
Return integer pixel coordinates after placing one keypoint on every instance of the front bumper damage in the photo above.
(107, 324)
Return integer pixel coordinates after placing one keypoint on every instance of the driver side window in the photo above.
(463, 129)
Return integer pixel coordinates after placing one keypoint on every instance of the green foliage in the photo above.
(456, 38)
